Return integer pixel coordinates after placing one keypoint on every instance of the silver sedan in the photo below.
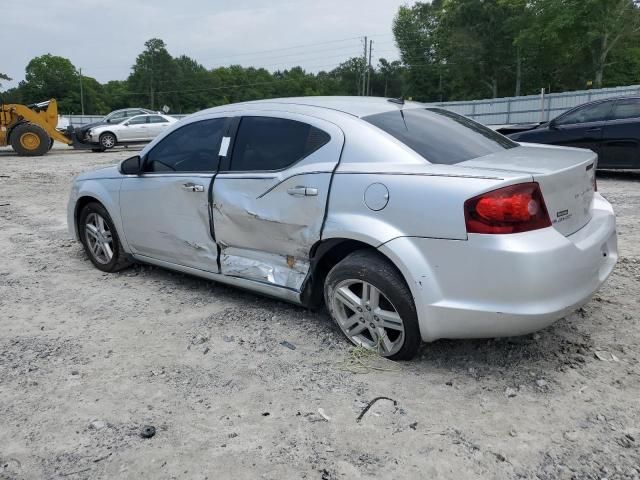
(409, 223)
(141, 128)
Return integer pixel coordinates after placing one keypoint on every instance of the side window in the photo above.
(117, 117)
(268, 143)
(589, 113)
(138, 120)
(191, 148)
(629, 108)
(157, 119)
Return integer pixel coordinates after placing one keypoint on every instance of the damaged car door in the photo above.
(270, 195)
(165, 208)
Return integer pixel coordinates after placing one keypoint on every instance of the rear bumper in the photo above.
(504, 285)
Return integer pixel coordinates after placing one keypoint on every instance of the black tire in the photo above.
(119, 259)
(51, 142)
(108, 140)
(373, 268)
(30, 140)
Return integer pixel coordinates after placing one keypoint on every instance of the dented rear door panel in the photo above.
(265, 224)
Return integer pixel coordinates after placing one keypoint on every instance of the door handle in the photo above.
(594, 130)
(303, 191)
(192, 187)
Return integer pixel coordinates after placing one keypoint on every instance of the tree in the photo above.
(414, 29)
(155, 75)
(4, 77)
(390, 75)
(579, 40)
(50, 76)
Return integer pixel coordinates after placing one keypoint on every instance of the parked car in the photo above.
(114, 117)
(141, 128)
(410, 223)
(610, 128)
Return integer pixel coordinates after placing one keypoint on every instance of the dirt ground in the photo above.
(87, 359)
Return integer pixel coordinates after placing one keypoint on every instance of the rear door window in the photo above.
(270, 143)
(117, 117)
(191, 148)
(157, 119)
(138, 120)
(628, 108)
(439, 135)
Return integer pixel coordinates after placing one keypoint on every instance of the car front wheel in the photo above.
(371, 303)
(100, 239)
(108, 140)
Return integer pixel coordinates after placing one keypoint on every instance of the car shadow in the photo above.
(516, 360)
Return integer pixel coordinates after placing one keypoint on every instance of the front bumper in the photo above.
(505, 285)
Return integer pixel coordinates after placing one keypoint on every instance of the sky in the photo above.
(103, 37)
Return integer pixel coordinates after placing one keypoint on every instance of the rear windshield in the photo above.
(439, 135)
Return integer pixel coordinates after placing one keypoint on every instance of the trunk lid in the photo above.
(565, 175)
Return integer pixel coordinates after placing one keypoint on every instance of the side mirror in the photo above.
(108, 120)
(131, 166)
(552, 124)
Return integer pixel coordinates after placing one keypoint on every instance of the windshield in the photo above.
(439, 135)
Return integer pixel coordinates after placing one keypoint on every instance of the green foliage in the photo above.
(4, 76)
(50, 76)
(456, 49)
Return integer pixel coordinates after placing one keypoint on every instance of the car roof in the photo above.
(131, 108)
(609, 99)
(355, 106)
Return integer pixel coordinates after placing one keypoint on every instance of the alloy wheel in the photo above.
(367, 317)
(99, 238)
(108, 141)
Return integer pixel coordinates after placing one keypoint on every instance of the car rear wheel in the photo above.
(371, 303)
(100, 239)
(108, 140)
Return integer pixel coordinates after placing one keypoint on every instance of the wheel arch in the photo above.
(327, 253)
(98, 195)
(80, 204)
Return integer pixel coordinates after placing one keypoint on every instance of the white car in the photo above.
(138, 129)
(409, 223)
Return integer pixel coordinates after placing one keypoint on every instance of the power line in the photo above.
(285, 48)
(302, 60)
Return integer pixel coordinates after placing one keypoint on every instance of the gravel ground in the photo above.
(87, 359)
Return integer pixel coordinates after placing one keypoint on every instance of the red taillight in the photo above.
(513, 209)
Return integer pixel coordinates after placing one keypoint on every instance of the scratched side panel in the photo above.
(163, 220)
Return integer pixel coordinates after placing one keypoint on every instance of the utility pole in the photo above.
(81, 94)
(369, 69)
(151, 82)
(364, 72)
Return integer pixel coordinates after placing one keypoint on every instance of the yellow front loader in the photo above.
(31, 129)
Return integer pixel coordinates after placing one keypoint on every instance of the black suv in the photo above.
(611, 128)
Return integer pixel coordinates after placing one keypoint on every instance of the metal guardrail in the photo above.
(495, 111)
